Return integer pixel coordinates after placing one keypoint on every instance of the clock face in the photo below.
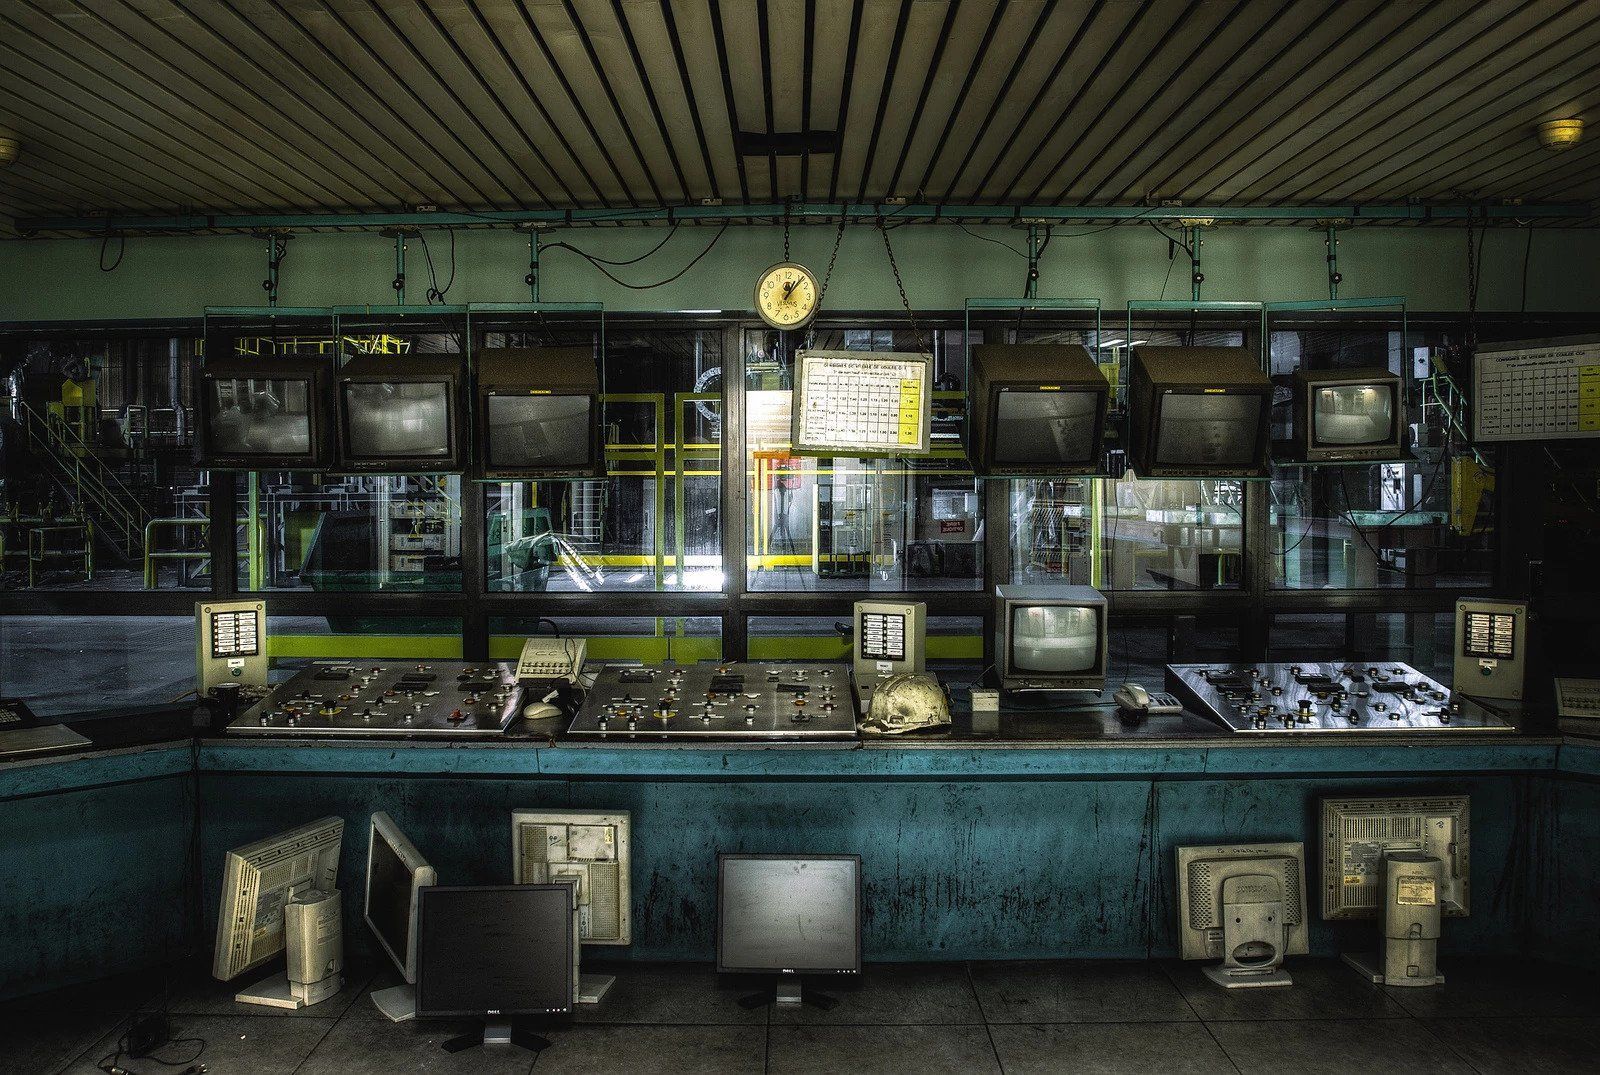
(786, 296)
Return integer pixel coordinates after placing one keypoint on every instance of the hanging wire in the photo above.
(600, 266)
(122, 248)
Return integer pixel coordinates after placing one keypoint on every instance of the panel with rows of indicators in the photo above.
(726, 701)
(387, 698)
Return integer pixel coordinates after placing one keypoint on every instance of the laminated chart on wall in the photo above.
(862, 403)
(1547, 392)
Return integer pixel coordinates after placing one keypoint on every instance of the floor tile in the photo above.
(1322, 989)
(1504, 987)
(680, 1049)
(119, 993)
(924, 1050)
(1077, 992)
(673, 993)
(234, 1045)
(1337, 1047)
(364, 1041)
(893, 993)
(48, 1041)
(1531, 1045)
(1109, 1048)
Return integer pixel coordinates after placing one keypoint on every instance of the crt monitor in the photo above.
(396, 875)
(258, 879)
(538, 413)
(400, 414)
(264, 414)
(1050, 637)
(789, 915)
(1198, 412)
(1035, 409)
(1348, 416)
(1357, 834)
(1244, 904)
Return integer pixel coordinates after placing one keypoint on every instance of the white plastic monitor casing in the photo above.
(591, 847)
(306, 857)
(1205, 942)
(1358, 834)
(422, 876)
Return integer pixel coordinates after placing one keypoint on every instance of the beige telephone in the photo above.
(546, 658)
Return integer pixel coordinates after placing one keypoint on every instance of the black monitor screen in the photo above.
(397, 420)
(504, 950)
(1055, 639)
(1208, 429)
(259, 416)
(1353, 415)
(1045, 427)
(789, 915)
(389, 899)
(539, 431)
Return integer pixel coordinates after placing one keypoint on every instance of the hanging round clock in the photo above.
(787, 296)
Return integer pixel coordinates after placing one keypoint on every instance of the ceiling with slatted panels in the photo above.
(305, 106)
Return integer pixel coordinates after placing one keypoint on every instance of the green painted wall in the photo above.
(177, 277)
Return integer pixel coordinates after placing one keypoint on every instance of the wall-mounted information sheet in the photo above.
(1537, 393)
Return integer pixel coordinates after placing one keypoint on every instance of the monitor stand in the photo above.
(276, 992)
(592, 987)
(788, 992)
(397, 1003)
(499, 1033)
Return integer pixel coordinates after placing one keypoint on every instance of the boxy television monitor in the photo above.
(1198, 412)
(1035, 409)
(400, 414)
(1348, 416)
(539, 413)
(1050, 638)
(264, 414)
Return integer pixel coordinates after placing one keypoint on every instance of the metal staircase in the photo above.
(96, 491)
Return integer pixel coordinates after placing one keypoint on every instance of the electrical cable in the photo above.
(122, 248)
(996, 242)
(436, 293)
(635, 260)
(641, 287)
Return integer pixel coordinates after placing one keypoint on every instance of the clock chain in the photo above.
(898, 283)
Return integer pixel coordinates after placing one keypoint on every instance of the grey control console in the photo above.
(439, 699)
(1341, 697)
(719, 701)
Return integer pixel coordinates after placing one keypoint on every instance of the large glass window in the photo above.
(80, 664)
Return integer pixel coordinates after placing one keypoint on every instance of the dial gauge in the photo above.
(786, 295)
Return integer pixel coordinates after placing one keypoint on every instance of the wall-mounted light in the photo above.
(1559, 134)
(10, 147)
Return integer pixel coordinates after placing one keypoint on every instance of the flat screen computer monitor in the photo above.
(400, 414)
(1050, 637)
(538, 413)
(1198, 412)
(1035, 409)
(1358, 833)
(258, 880)
(789, 914)
(1244, 904)
(264, 414)
(494, 951)
(1348, 416)
(396, 874)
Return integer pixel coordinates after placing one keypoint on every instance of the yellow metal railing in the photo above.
(153, 558)
(92, 482)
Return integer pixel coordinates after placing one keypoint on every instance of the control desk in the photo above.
(451, 699)
(726, 701)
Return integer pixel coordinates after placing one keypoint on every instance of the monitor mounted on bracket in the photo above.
(538, 413)
(1198, 412)
(1350, 415)
(1035, 409)
(267, 413)
(400, 414)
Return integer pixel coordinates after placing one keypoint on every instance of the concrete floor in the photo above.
(1491, 1016)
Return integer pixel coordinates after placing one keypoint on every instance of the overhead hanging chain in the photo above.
(822, 289)
(900, 285)
(786, 229)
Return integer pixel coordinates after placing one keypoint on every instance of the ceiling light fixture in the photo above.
(1559, 134)
(10, 146)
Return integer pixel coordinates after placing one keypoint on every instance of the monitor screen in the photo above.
(502, 950)
(539, 431)
(389, 899)
(1045, 427)
(397, 420)
(251, 416)
(1055, 639)
(1208, 429)
(1353, 415)
(789, 915)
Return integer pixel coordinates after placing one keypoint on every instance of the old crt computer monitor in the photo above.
(1035, 409)
(538, 413)
(1050, 638)
(1198, 412)
(789, 915)
(590, 848)
(400, 414)
(264, 414)
(396, 875)
(1245, 905)
(258, 880)
(1348, 416)
(495, 953)
(1358, 833)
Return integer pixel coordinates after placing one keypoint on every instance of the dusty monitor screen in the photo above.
(1054, 639)
(1045, 427)
(260, 417)
(539, 431)
(1352, 415)
(1208, 429)
(401, 420)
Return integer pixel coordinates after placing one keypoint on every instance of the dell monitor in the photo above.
(1050, 638)
(396, 875)
(400, 414)
(495, 953)
(1198, 412)
(1245, 905)
(591, 849)
(789, 916)
(538, 413)
(1358, 834)
(1035, 409)
(264, 414)
(1348, 416)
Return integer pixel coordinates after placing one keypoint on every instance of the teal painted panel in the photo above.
(1566, 850)
(1580, 758)
(360, 759)
(41, 777)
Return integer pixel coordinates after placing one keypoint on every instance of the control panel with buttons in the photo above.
(1578, 698)
(719, 701)
(387, 698)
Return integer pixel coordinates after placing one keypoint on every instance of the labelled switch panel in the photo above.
(437, 699)
(719, 701)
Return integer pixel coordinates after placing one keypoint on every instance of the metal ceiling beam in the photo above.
(774, 212)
